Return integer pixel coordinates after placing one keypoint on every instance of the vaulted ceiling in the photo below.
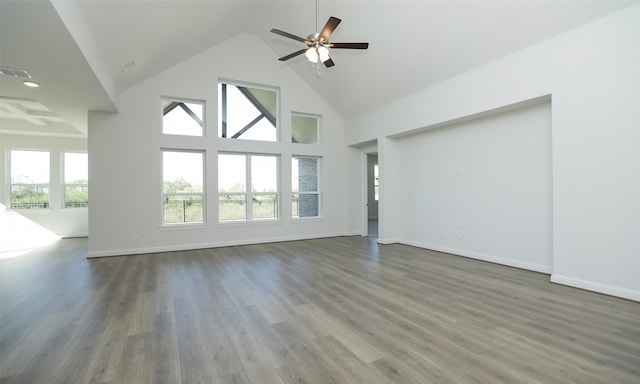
(75, 49)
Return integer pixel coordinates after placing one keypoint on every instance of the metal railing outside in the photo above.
(183, 211)
(40, 205)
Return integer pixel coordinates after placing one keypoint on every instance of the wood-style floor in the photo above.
(339, 310)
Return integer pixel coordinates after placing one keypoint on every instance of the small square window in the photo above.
(304, 129)
(181, 117)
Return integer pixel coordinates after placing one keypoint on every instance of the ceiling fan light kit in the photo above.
(318, 45)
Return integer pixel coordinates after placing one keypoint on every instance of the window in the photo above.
(304, 129)
(29, 179)
(305, 186)
(247, 187)
(247, 113)
(182, 117)
(183, 186)
(76, 180)
(376, 183)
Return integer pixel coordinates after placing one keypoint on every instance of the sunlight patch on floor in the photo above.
(19, 235)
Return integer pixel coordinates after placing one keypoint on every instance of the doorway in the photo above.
(373, 194)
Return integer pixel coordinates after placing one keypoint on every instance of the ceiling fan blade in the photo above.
(294, 54)
(328, 28)
(329, 63)
(349, 45)
(287, 34)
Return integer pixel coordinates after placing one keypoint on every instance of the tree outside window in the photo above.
(76, 180)
(247, 187)
(30, 179)
(183, 187)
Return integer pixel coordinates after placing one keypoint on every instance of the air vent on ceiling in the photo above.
(15, 72)
(128, 66)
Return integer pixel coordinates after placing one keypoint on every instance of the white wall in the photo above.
(592, 75)
(481, 188)
(64, 222)
(125, 158)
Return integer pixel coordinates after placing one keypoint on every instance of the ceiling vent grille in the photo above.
(15, 72)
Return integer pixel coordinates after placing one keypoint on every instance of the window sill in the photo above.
(314, 218)
(232, 223)
(183, 227)
(40, 211)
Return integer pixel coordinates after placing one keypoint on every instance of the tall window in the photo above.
(183, 186)
(305, 194)
(76, 180)
(182, 117)
(247, 113)
(29, 179)
(247, 187)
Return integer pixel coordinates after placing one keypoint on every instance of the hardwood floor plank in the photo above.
(103, 367)
(134, 364)
(195, 366)
(165, 363)
(334, 310)
(263, 332)
(19, 354)
(357, 345)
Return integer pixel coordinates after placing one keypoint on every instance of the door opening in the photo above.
(373, 196)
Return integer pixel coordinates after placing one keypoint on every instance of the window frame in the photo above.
(222, 109)
(179, 103)
(64, 184)
(317, 192)
(248, 193)
(318, 119)
(164, 194)
(11, 184)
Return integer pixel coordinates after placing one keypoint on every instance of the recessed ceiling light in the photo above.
(31, 84)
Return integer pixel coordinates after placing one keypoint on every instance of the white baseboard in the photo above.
(73, 235)
(187, 247)
(484, 257)
(385, 241)
(596, 287)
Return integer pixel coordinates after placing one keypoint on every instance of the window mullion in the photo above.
(224, 109)
(249, 189)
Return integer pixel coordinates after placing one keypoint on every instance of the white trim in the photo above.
(73, 235)
(384, 241)
(187, 247)
(596, 287)
(484, 257)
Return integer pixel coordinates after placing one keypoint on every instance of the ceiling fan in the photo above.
(318, 44)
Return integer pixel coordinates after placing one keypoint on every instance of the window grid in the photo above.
(243, 202)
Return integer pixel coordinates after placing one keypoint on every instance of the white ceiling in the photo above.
(75, 49)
